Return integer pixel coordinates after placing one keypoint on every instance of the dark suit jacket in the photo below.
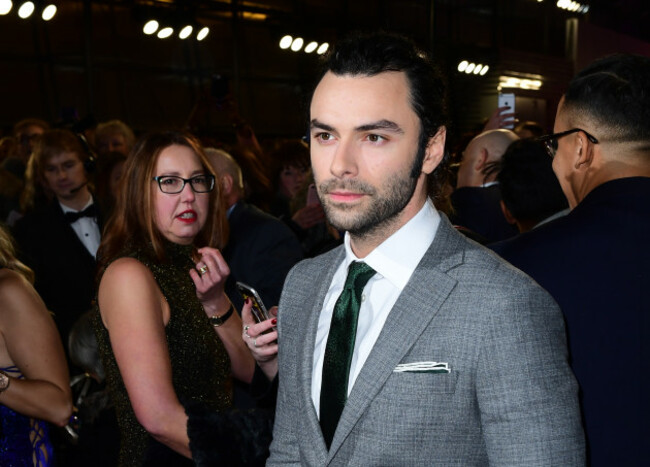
(478, 209)
(260, 252)
(509, 399)
(595, 262)
(64, 269)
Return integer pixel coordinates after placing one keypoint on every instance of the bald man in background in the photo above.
(261, 249)
(476, 200)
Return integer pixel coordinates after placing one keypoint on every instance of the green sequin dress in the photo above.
(200, 365)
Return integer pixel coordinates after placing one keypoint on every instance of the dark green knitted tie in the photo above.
(339, 349)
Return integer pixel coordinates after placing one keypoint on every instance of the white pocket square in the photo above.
(423, 367)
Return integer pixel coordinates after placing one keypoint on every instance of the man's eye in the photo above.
(376, 138)
(324, 136)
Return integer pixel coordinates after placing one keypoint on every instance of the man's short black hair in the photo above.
(372, 54)
(615, 92)
(529, 188)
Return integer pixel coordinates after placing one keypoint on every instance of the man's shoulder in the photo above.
(246, 215)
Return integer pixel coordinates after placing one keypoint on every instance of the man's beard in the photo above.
(383, 208)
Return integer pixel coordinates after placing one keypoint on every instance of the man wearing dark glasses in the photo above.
(595, 261)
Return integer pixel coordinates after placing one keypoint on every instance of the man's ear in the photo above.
(435, 151)
(584, 151)
(481, 160)
(227, 183)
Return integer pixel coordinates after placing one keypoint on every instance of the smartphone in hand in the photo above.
(260, 313)
(507, 100)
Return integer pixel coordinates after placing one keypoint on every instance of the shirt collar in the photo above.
(398, 256)
(68, 209)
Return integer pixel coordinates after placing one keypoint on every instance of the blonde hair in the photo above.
(8, 256)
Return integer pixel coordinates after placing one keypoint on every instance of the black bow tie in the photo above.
(90, 211)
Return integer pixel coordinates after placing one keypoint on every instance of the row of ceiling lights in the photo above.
(532, 82)
(153, 27)
(295, 44)
(26, 9)
(473, 68)
(572, 6)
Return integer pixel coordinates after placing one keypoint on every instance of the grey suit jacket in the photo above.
(510, 398)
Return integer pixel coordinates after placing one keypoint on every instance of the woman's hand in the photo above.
(210, 279)
(500, 118)
(264, 347)
(309, 216)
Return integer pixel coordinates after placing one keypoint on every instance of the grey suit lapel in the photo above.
(418, 303)
(313, 444)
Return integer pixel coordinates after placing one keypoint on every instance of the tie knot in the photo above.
(359, 274)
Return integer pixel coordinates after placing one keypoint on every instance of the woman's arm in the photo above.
(135, 313)
(210, 291)
(29, 339)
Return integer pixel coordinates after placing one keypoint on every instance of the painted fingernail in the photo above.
(274, 321)
(247, 301)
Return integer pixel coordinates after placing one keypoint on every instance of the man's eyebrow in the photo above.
(320, 125)
(381, 125)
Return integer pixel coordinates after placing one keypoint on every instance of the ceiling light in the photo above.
(462, 66)
(285, 42)
(203, 33)
(297, 43)
(164, 33)
(323, 48)
(478, 69)
(150, 27)
(48, 12)
(26, 10)
(484, 70)
(185, 32)
(5, 6)
(521, 83)
(311, 47)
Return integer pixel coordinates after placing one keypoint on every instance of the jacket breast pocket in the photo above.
(420, 383)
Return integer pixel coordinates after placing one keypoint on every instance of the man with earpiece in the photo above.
(59, 237)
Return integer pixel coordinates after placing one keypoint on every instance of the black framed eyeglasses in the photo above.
(172, 184)
(550, 141)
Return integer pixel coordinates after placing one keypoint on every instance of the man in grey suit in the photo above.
(456, 358)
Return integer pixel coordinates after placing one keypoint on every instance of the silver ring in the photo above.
(203, 269)
(246, 331)
(255, 342)
(246, 328)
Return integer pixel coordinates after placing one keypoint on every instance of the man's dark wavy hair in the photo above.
(615, 93)
(372, 54)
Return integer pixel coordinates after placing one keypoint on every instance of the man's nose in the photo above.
(344, 162)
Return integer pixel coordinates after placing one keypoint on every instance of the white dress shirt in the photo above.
(86, 229)
(394, 260)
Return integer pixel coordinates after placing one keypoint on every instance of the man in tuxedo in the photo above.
(595, 261)
(409, 344)
(261, 249)
(59, 240)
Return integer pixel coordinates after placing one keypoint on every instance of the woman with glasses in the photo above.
(168, 335)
